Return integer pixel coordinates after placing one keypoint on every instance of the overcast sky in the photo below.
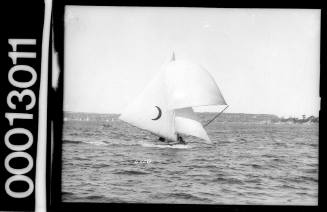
(263, 60)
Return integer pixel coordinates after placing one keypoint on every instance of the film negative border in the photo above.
(58, 26)
(23, 173)
(30, 169)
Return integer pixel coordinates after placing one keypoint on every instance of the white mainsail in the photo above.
(149, 110)
(190, 85)
(165, 105)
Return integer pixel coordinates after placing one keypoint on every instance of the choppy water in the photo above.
(247, 164)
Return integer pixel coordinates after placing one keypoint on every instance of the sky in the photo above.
(265, 61)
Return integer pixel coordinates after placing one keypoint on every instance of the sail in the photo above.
(190, 85)
(165, 105)
(149, 110)
(188, 123)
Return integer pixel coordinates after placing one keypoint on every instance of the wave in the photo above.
(119, 142)
(131, 172)
(287, 186)
(312, 179)
(93, 197)
(268, 155)
(314, 145)
(228, 180)
(175, 146)
(96, 143)
(254, 180)
(299, 179)
(187, 196)
(278, 160)
(179, 195)
(67, 196)
(281, 144)
(256, 166)
(101, 165)
(67, 193)
(311, 171)
(80, 158)
(71, 141)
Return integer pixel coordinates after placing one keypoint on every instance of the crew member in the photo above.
(162, 139)
(180, 139)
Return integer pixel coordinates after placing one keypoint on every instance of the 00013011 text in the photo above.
(14, 96)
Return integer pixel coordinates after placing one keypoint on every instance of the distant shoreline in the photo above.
(264, 114)
(225, 117)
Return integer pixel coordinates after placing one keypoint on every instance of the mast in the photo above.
(173, 57)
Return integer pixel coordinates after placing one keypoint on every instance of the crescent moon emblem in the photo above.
(159, 114)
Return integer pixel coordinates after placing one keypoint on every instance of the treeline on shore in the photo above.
(312, 119)
(225, 117)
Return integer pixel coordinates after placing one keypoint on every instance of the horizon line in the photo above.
(290, 116)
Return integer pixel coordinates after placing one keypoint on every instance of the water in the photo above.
(249, 163)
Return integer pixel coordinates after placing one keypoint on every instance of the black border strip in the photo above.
(20, 23)
(55, 108)
(322, 112)
(201, 3)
